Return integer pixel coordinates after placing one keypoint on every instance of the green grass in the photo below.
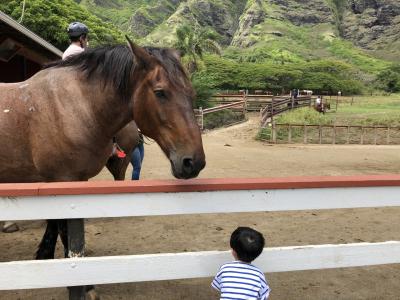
(365, 110)
(369, 110)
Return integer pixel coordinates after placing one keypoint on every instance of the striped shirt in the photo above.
(239, 280)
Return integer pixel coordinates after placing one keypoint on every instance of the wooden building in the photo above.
(22, 52)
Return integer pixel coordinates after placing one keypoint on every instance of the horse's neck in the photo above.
(98, 107)
(110, 112)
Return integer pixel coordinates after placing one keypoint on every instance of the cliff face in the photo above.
(373, 25)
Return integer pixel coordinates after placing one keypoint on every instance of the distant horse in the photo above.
(59, 124)
(323, 107)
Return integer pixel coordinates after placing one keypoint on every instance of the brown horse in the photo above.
(322, 108)
(127, 138)
(59, 124)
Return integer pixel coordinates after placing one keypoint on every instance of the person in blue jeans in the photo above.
(137, 158)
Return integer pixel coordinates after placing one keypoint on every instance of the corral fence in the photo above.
(278, 105)
(267, 105)
(238, 107)
(332, 134)
(77, 200)
(254, 102)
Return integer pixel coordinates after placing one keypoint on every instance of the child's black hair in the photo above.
(247, 243)
(77, 38)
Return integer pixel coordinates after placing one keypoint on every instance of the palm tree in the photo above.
(193, 42)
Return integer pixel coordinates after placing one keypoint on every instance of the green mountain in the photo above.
(325, 45)
(360, 36)
(296, 29)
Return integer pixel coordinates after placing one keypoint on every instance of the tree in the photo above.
(389, 79)
(193, 42)
(50, 19)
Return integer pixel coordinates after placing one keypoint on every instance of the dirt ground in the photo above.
(232, 152)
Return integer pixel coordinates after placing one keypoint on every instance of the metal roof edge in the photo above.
(10, 21)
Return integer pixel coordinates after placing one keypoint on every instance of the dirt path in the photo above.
(232, 152)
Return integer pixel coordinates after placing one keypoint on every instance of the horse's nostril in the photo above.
(188, 165)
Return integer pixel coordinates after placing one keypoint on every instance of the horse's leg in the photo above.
(63, 231)
(47, 246)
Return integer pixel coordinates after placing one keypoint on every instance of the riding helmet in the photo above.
(76, 29)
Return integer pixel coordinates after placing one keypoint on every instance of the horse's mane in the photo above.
(115, 64)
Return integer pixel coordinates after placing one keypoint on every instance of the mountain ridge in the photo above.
(371, 25)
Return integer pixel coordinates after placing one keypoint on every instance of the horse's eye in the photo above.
(159, 93)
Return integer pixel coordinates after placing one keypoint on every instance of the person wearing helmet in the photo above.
(78, 35)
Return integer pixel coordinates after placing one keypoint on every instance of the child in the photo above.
(240, 279)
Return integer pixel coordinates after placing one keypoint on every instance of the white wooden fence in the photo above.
(145, 198)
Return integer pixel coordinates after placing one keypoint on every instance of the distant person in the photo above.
(249, 281)
(295, 93)
(78, 36)
(318, 101)
(137, 158)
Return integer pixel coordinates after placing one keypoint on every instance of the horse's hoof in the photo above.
(10, 227)
(92, 295)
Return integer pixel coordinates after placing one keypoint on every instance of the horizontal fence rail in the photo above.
(76, 200)
(278, 105)
(151, 204)
(170, 266)
(223, 107)
(234, 106)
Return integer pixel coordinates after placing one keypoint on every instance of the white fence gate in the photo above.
(101, 199)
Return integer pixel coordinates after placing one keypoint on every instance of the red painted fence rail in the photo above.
(195, 185)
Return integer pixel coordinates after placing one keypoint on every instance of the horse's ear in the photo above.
(140, 54)
(176, 53)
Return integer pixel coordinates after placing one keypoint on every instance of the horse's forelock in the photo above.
(177, 75)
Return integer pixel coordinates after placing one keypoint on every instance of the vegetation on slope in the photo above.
(275, 49)
(50, 19)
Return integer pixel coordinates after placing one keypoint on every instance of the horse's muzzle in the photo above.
(187, 167)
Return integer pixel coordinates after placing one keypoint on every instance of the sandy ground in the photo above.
(232, 152)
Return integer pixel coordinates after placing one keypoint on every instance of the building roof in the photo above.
(11, 27)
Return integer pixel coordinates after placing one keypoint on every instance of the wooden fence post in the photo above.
(245, 102)
(290, 134)
(334, 135)
(375, 135)
(201, 118)
(305, 134)
(272, 107)
(362, 135)
(388, 136)
(273, 133)
(320, 134)
(76, 248)
(348, 135)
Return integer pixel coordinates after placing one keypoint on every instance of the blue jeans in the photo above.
(136, 161)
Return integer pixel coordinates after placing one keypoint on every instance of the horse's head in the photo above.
(162, 108)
